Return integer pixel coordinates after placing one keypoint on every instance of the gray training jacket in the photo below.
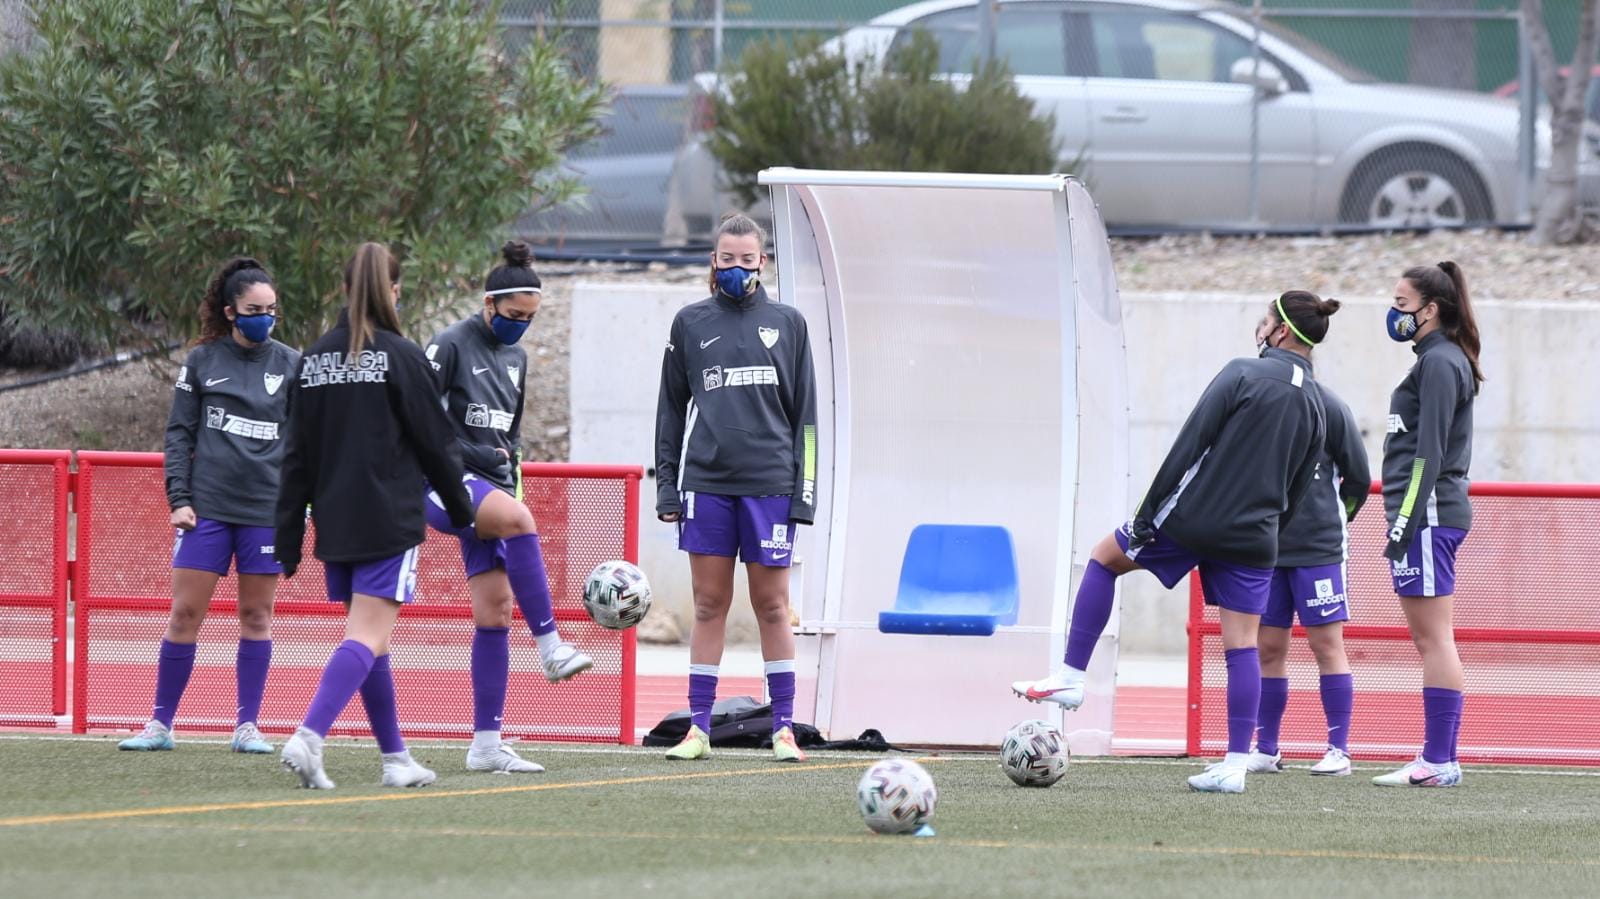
(481, 383)
(1246, 455)
(1314, 532)
(1429, 444)
(737, 413)
(224, 445)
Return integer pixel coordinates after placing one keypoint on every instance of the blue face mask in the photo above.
(738, 282)
(508, 330)
(255, 328)
(1402, 325)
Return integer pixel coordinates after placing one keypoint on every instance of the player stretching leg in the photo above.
(224, 446)
(366, 427)
(1425, 460)
(1245, 456)
(481, 372)
(736, 444)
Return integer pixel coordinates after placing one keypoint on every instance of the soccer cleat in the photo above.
(156, 737)
(302, 754)
(696, 745)
(784, 748)
(1261, 763)
(1336, 763)
(566, 661)
(501, 759)
(1422, 773)
(247, 739)
(1219, 778)
(1057, 688)
(401, 770)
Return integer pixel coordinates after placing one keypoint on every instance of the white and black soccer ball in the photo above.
(896, 796)
(1034, 754)
(617, 595)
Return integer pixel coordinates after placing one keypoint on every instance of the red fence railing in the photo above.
(33, 586)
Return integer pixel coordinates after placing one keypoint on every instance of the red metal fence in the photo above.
(1527, 616)
(33, 586)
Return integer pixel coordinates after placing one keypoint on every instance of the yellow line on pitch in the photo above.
(161, 811)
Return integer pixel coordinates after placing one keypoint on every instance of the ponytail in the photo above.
(1445, 285)
(369, 279)
(227, 285)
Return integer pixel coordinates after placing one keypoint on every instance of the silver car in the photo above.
(1156, 96)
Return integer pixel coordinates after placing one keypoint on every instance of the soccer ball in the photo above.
(1034, 754)
(616, 595)
(896, 796)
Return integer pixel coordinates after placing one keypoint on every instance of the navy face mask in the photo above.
(1402, 326)
(255, 328)
(738, 282)
(508, 330)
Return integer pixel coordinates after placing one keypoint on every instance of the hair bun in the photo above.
(517, 254)
(1328, 307)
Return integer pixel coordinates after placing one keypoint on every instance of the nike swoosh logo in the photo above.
(706, 343)
(1327, 612)
(1406, 583)
(212, 382)
(1041, 694)
(478, 371)
(780, 555)
(1419, 781)
(547, 621)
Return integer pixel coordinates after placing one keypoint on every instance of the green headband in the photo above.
(1303, 338)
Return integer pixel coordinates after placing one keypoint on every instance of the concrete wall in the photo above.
(1537, 418)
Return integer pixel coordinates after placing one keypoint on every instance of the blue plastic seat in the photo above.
(957, 580)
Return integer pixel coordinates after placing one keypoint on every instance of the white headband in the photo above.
(495, 293)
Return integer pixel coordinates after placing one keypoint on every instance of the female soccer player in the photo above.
(366, 428)
(224, 447)
(736, 443)
(481, 372)
(1425, 460)
(1246, 455)
(1309, 581)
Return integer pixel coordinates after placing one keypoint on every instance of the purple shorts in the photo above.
(756, 528)
(1429, 568)
(477, 555)
(394, 578)
(1237, 588)
(212, 544)
(1316, 593)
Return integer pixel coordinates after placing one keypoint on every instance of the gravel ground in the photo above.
(125, 407)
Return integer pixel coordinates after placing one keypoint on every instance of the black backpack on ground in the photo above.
(739, 722)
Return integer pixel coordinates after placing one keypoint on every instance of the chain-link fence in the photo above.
(1382, 114)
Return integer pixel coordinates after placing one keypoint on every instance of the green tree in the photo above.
(808, 106)
(145, 140)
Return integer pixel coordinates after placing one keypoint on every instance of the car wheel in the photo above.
(1415, 189)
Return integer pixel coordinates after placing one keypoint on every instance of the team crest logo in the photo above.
(273, 382)
(513, 371)
(1324, 587)
(214, 416)
(769, 336)
(477, 415)
(713, 377)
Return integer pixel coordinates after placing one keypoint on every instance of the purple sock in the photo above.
(1455, 730)
(250, 672)
(780, 686)
(525, 570)
(491, 668)
(1338, 698)
(1090, 612)
(346, 671)
(702, 695)
(1244, 696)
(377, 694)
(173, 668)
(1442, 710)
(1269, 716)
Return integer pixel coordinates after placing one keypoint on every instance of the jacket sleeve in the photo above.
(1344, 445)
(1306, 471)
(1438, 391)
(414, 396)
(296, 478)
(671, 411)
(442, 359)
(182, 426)
(803, 504)
(1192, 442)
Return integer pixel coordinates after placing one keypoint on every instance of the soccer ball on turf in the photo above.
(1034, 754)
(896, 796)
(616, 595)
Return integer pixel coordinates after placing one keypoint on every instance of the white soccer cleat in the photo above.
(501, 759)
(1421, 773)
(302, 754)
(1336, 763)
(401, 770)
(1261, 763)
(1219, 778)
(1060, 688)
(566, 661)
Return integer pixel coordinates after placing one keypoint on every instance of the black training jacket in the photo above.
(361, 438)
(481, 382)
(1429, 445)
(1246, 454)
(1314, 532)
